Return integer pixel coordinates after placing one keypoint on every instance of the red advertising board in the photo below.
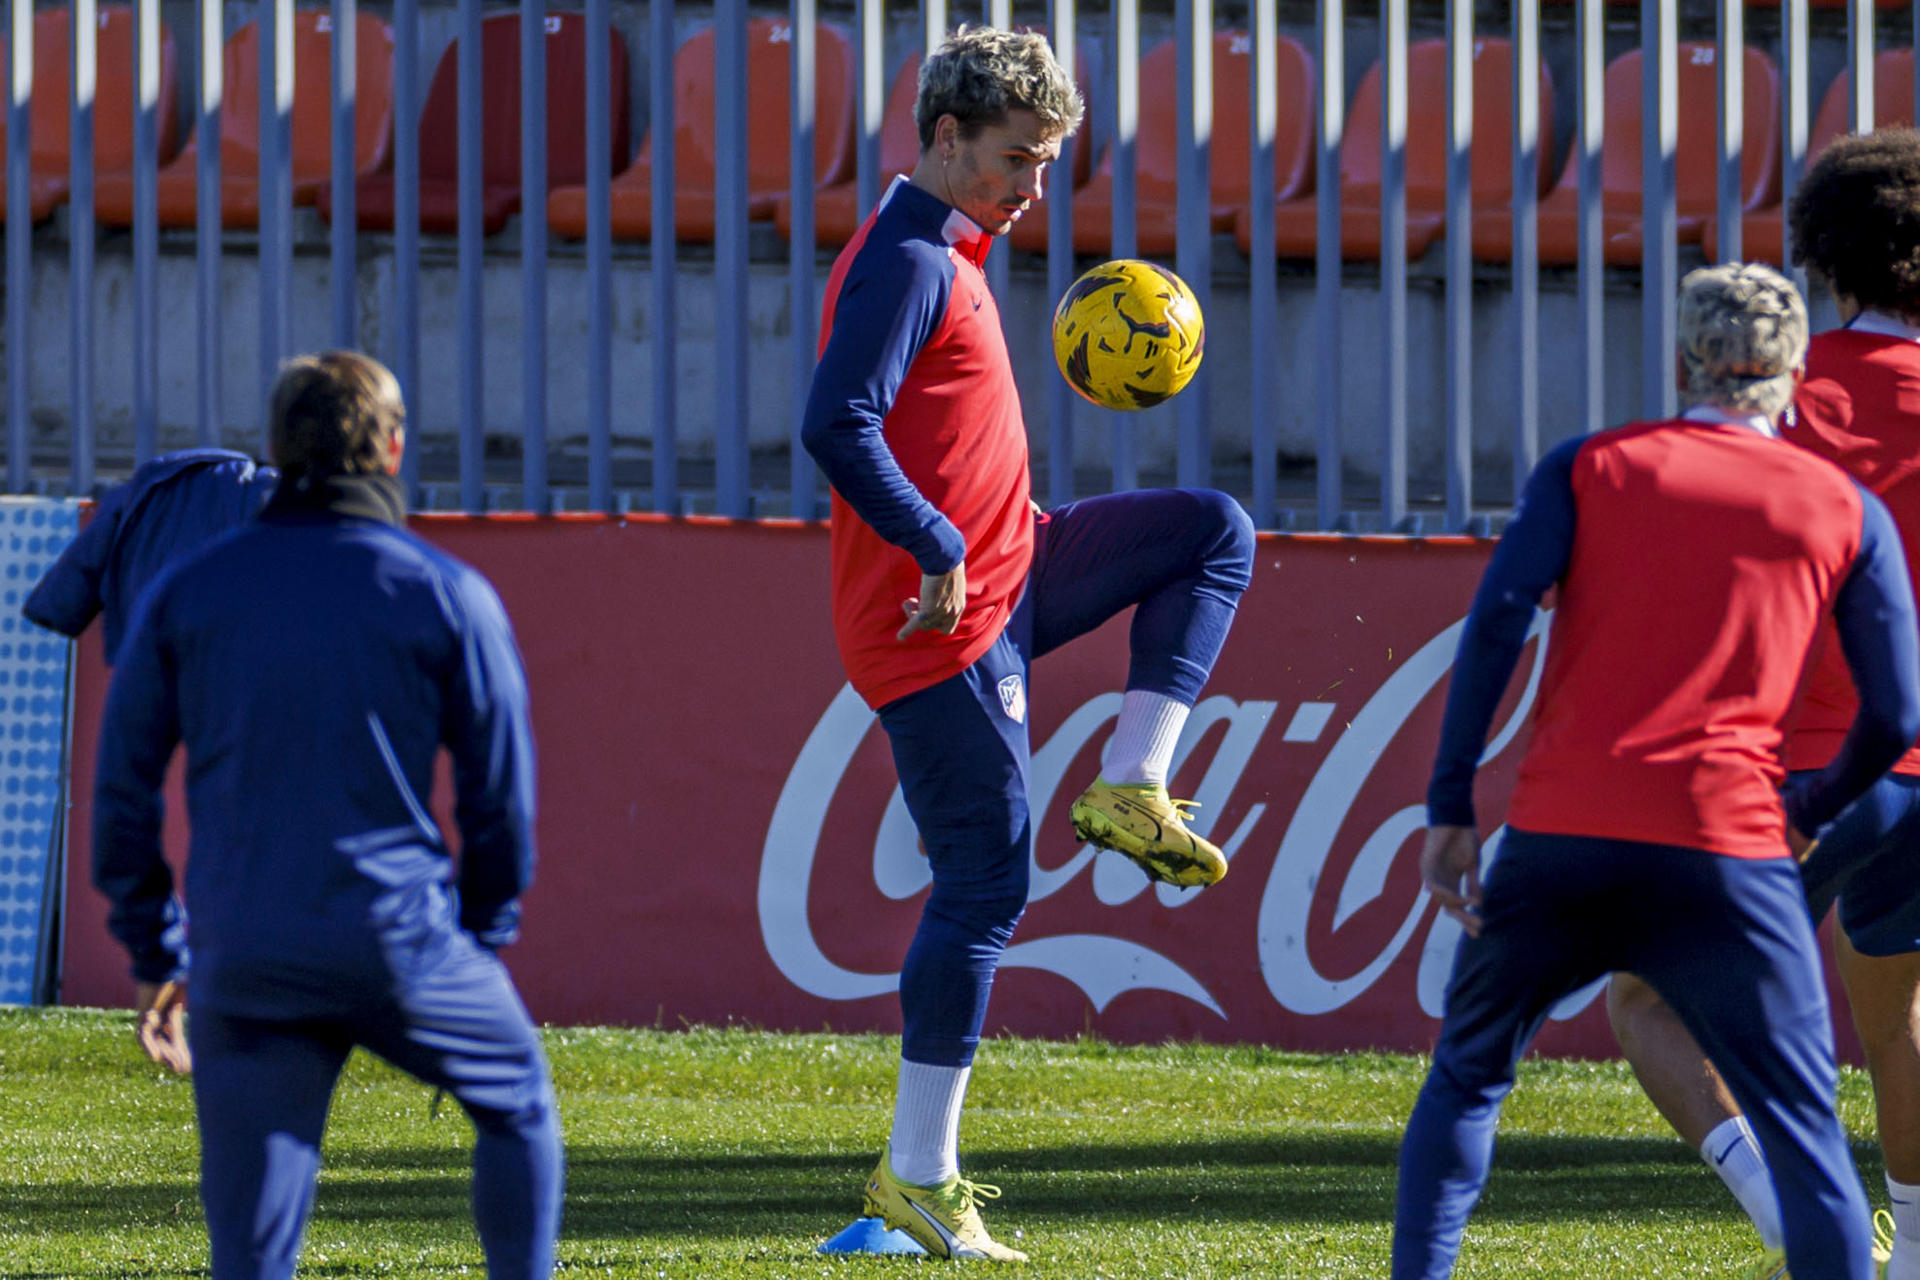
(722, 837)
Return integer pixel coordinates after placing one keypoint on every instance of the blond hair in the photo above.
(334, 413)
(979, 74)
(1743, 335)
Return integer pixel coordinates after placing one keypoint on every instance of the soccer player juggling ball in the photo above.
(947, 583)
(1855, 219)
(313, 663)
(1695, 560)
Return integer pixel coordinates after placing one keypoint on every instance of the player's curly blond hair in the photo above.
(1743, 333)
(978, 74)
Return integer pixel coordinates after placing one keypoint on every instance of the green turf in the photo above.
(734, 1153)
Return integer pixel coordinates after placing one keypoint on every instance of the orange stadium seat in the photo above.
(113, 103)
(836, 209)
(1157, 154)
(1296, 222)
(695, 146)
(1761, 233)
(500, 178)
(240, 125)
(1696, 194)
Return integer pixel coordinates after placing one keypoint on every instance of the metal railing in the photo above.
(1251, 461)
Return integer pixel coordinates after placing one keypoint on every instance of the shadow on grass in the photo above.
(1288, 1179)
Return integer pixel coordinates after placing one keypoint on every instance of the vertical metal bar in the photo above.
(871, 101)
(998, 13)
(1793, 104)
(731, 454)
(1860, 62)
(19, 240)
(802, 482)
(1328, 460)
(1125, 242)
(406, 225)
(85, 17)
(1263, 278)
(600, 250)
(276, 191)
(933, 22)
(146, 227)
(1659, 272)
(473, 404)
(1459, 249)
(1588, 143)
(1193, 220)
(1393, 262)
(1730, 72)
(208, 358)
(1062, 20)
(343, 260)
(1528, 156)
(666, 428)
(533, 251)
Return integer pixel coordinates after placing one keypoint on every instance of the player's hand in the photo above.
(1450, 868)
(942, 599)
(161, 1025)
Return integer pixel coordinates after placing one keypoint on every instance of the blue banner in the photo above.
(34, 701)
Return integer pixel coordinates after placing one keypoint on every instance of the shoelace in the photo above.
(963, 1196)
(1883, 1230)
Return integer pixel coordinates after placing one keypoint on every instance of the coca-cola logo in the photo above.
(1315, 845)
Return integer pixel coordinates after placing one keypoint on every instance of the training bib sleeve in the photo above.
(1874, 614)
(881, 321)
(1530, 557)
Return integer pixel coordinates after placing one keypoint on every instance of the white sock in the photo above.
(1141, 748)
(1906, 1231)
(925, 1147)
(1731, 1152)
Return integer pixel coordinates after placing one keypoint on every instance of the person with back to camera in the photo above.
(313, 664)
(1855, 220)
(1695, 560)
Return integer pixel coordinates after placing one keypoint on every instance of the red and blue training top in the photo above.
(1694, 561)
(1860, 407)
(915, 421)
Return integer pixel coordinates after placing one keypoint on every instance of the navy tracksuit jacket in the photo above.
(313, 662)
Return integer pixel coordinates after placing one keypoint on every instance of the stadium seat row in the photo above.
(836, 214)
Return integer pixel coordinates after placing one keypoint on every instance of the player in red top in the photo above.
(1694, 561)
(948, 582)
(1856, 227)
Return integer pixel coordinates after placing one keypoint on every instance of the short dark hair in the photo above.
(1855, 220)
(334, 414)
(979, 74)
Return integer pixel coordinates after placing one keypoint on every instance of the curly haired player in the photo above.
(1646, 833)
(947, 583)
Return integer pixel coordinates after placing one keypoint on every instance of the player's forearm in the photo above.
(143, 915)
(1490, 646)
(856, 461)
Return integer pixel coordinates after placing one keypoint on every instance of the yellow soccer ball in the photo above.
(1128, 334)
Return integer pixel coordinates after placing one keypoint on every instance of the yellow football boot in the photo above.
(945, 1219)
(1142, 821)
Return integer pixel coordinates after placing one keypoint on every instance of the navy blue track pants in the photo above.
(1725, 941)
(262, 1089)
(1183, 556)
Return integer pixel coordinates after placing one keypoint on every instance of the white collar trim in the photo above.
(1759, 422)
(1881, 323)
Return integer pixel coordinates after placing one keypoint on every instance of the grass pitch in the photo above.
(732, 1153)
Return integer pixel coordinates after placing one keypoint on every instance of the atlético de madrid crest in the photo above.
(1013, 698)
